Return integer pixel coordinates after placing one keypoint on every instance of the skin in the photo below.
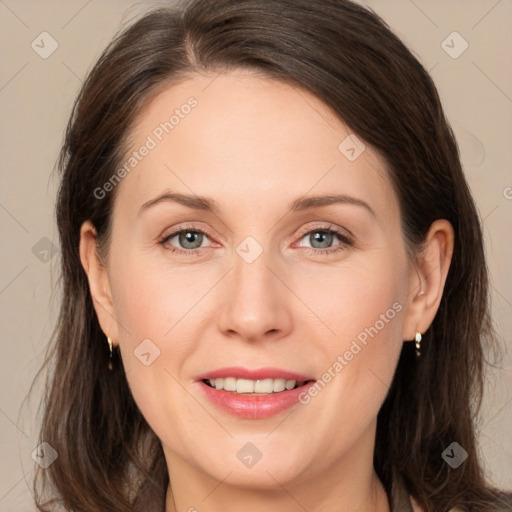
(254, 145)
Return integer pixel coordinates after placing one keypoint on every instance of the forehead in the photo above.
(248, 140)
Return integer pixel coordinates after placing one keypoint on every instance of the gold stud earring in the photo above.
(417, 340)
(110, 348)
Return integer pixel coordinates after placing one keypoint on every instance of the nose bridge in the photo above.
(256, 301)
(251, 273)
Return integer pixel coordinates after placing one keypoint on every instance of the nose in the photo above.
(256, 301)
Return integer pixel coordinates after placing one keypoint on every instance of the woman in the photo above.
(271, 266)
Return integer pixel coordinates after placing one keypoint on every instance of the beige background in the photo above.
(36, 95)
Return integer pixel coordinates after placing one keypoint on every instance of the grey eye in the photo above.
(190, 239)
(323, 238)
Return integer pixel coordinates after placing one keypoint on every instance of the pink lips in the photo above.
(263, 373)
(254, 406)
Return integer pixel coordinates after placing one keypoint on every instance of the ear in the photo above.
(99, 283)
(427, 279)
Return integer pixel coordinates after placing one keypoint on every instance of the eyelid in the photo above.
(346, 240)
(168, 234)
(325, 226)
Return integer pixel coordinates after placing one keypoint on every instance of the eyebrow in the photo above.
(304, 203)
(191, 201)
(210, 205)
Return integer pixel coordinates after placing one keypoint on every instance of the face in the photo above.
(256, 280)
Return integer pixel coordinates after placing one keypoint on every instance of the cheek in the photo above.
(147, 302)
(361, 298)
(362, 314)
(151, 307)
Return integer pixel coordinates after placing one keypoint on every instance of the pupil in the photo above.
(188, 238)
(317, 237)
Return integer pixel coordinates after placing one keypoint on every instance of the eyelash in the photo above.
(345, 240)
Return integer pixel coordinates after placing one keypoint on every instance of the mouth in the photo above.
(253, 399)
(259, 387)
(253, 393)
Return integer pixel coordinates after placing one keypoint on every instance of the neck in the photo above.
(349, 484)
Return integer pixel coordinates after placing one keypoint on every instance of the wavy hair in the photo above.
(346, 55)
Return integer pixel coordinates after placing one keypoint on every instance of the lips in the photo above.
(249, 405)
(257, 374)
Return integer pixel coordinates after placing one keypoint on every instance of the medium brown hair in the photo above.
(108, 456)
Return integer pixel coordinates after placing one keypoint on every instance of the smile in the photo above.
(241, 386)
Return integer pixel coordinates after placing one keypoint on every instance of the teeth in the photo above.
(279, 385)
(265, 386)
(244, 386)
